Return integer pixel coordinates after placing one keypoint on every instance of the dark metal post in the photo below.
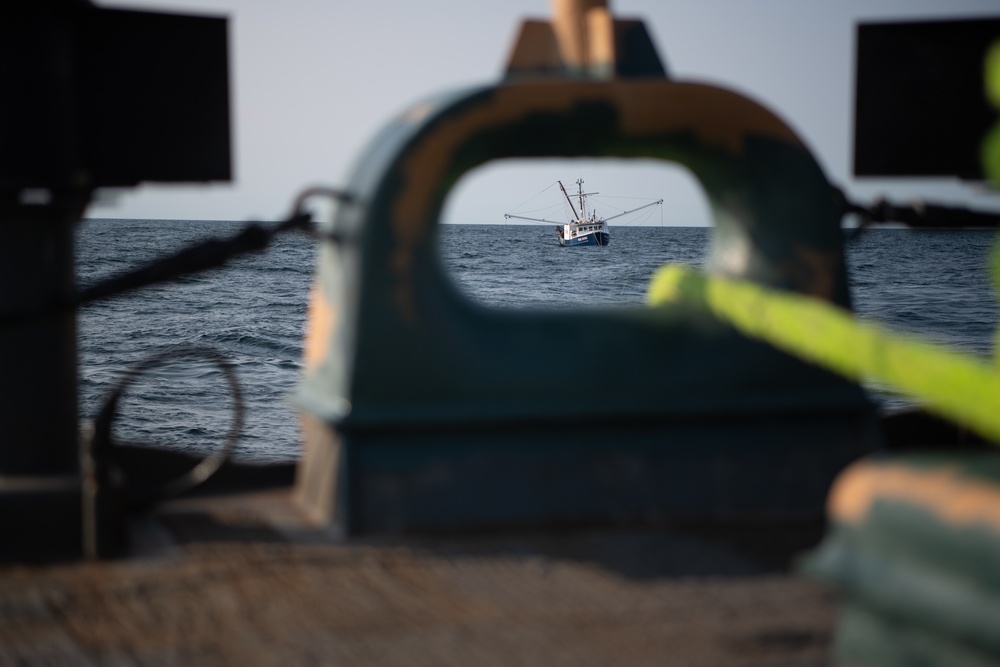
(39, 468)
(37, 359)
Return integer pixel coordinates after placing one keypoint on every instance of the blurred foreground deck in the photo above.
(214, 584)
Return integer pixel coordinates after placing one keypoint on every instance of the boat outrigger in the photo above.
(583, 230)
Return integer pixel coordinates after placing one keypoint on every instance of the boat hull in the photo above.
(594, 238)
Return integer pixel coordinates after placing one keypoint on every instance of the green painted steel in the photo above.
(397, 356)
(913, 550)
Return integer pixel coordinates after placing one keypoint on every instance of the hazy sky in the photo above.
(314, 80)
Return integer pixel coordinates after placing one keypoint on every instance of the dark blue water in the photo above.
(934, 283)
(927, 282)
(252, 311)
(522, 266)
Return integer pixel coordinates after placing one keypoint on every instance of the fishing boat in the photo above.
(586, 227)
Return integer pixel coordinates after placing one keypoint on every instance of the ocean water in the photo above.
(932, 283)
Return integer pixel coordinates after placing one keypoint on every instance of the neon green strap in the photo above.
(952, 384)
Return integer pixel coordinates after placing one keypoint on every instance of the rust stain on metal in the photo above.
(319, 328)
(943, 492)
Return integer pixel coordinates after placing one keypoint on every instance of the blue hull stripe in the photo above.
(595, 238)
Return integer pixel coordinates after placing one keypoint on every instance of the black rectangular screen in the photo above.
(96, 97)
(920, 106)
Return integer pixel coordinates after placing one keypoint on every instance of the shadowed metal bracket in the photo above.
(584, 40)
(93, 98)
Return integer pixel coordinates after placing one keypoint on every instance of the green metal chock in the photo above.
(423, 410)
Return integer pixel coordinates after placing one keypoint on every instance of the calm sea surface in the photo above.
(933, 283)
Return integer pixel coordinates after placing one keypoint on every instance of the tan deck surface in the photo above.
(246, 596)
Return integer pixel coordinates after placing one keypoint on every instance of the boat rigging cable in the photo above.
(580, 217)
(256, 237)
(203, 256)
(107, 487)
(537, 194)
(638, 221)
(918, 214)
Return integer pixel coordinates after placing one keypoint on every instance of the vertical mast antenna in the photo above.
(569, 201)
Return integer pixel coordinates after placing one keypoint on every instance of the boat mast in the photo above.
(581, 219)
(570, 201)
